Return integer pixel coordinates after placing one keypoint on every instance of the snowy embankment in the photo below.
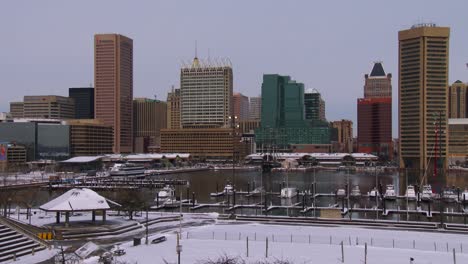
(292, 243)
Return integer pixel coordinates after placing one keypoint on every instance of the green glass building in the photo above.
(283, 120)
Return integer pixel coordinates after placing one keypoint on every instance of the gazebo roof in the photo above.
(78, 199)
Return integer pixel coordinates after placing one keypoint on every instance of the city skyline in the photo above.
(53, 64)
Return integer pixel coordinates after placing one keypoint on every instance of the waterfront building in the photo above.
(255, 108)
(344, 135)
(283, 121)
(17, 109)
(215, 144)
(43, 139)
(375, 114)
(458, 141)
(458, 97)
(44, 106)
(84, 102)
(89, 137)
(423, 82)
(241, 106)
(173, 109)
(113, 93)
(149, 117)
(314, 105)
(206, 94)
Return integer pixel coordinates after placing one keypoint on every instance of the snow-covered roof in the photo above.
(78, 199)
(318, 156)
(82, 159)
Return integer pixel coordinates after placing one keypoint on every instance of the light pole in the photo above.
(233, 120)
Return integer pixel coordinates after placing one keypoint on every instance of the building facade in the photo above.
(44, 106)
(113, 94)
(255, 108)
(375, 127)
(344, 135)
(377, 84)
(149, 117)
(206, 94)
(314, 105)
(84, 102)
(89, 137)
(458, 141)
(458, 97)
(216, 144)
(283, 121)
(423, 82)
(17, 109)
(173, 109)
(375, 114)
(241, 106)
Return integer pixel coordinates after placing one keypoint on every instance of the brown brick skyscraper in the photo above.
(113, 78)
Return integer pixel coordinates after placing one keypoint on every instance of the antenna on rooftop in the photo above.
(196, 51)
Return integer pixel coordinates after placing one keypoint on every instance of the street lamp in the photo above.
(234, 126)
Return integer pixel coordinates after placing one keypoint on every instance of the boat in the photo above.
(464, 196)
(355, 192)
(410, 194)
(427, 194)
(390, 192)
(127, 170)
(288, 192)
(166, 197)
(373, 193)
(167, 191)
(228, 189)
(449, 195)
(341, 193)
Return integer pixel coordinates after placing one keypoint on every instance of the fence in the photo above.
(416, 244)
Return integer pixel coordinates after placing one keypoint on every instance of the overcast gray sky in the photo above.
(47, 46)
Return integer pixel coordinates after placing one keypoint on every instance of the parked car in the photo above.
(158, 240)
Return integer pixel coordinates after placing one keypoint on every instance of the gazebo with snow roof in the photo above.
(78, 200)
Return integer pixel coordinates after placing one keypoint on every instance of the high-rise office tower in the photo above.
(173, 109)
(113, 94)
(149, 117)
(423, 82)
(284, 125)
(375, 114)
(377, 84)
(206, 94)
(241, 106)
(458, 100)
(255, 108)
(44, 107)
(314, 105)
(344, 129)
(84, 102)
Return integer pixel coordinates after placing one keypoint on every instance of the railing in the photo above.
(20, 229)
(416, 244)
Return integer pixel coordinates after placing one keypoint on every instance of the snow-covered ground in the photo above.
(22, 178)
(230, 239)
(40, 256)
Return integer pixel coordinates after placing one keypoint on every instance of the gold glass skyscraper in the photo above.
(422, 97)
(113, 93)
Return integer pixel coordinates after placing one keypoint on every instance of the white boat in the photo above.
(288, 192)
(228, 189)
(410, 193)
(427, 194)
(449, 195)
(390, 192)
(355, 192)
(373, 193)
(340, 193)
(167, 191)
(127, 169)
(464, 196)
